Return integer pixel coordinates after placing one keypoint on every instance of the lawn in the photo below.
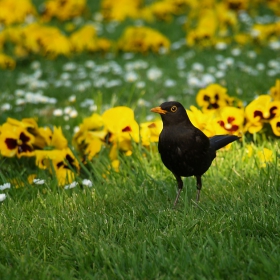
(109, 213)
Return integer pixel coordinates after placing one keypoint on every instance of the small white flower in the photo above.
(131, 76)
(255, 33)
(236, 52)
(271, 73)
(67, 110)
(138, 64)
(52, 100)
(128, 55)
(193, 81)
(150, 117)
(212, 69)
(239, 91)
(208, 79)
(87, 183)
(20, 101)
(67, 83)
(181, 64)
(143, 103)
(244, 17)
(171, 98)
(80, 87)
(154, 73)
(222, 66)
(113, 83)
(73, 113)
(251, 54)
(71, 186)
(169, 83)
(177, 45)
(2, 197)
(72, 98)
(273, 64)
(221, 46)
(35, 65)
(229, 61)
(98, 17)
(260, 66)
(140, 84)
(65, 76)
(93, 108)
(275, 45)
(220, 74)
(6, 107)
(82, 74)
(70, 66)
(39, 181)
(116, 69)
(198, 67)
(58, 84)
(76, 129)
(87, 103)
(162, 50)
(100, 82)
(37, 74)
(90, 64)
(58, 112)
(19, 92)
(5, 186)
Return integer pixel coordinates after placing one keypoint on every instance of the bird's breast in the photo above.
(184, 153)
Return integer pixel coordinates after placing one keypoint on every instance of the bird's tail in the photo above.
(219, 141)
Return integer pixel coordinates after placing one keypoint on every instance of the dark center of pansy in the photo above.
(266, 115)
(11, 143)
(229, 126)
(152, 125)
(127, 129)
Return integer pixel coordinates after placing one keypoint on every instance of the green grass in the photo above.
(125, 226)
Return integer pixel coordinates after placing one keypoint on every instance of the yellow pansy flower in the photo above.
(213, 97)
(90, 136)
(142, 39)
(120, 10)
(203, 121)
(259, 111)
(63, 9)
(229, 120)
(275, 125)
(120, 123)
(15, 11)
(7, 62)
(149, 132)
(58, 140)
(61, 161)
(16, 141)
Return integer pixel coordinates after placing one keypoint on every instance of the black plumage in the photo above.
(184, 149)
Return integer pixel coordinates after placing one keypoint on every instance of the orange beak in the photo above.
(158, 110)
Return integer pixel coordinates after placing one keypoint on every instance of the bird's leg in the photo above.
(198, 186)
(180, 187)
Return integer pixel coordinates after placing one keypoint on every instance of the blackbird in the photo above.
(184, 149)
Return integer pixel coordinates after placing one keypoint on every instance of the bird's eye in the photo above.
(173, 109)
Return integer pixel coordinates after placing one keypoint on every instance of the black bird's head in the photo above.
(172, 113)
